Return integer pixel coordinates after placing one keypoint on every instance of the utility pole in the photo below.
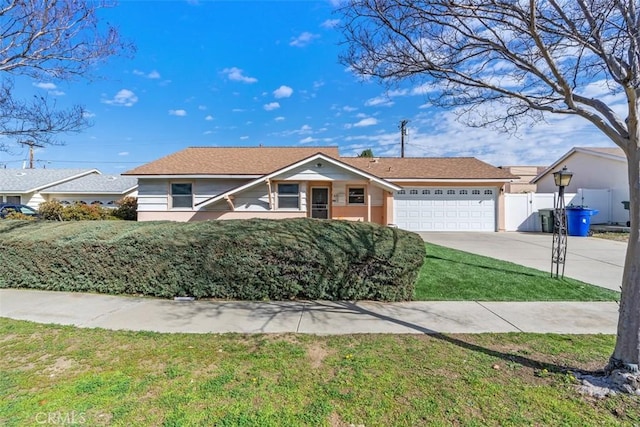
(31, 144)
(403, 132)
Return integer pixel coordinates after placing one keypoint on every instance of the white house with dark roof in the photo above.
(34, 186)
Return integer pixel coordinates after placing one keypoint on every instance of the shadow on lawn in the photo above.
(502, 270)
(277, 312)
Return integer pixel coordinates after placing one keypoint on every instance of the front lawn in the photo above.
(99, 377)
(448, 274)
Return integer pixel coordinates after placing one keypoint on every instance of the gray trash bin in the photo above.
(547, 220)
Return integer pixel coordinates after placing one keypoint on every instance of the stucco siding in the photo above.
(590, 172)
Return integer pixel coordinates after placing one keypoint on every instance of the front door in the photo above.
(320, 203)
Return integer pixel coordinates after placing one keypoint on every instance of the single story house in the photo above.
(418, 194)
(600, 181)
(34, 186)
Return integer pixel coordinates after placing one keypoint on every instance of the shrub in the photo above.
(127, 209)
(83, 212)
(250, 260)
(19, 216)
(51, 210)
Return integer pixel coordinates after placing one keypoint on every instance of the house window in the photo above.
(413, 192)
(438, 191)
(288, 196)
(475, 191)
(451, 191)
(488, 191)
(181, 195)
(401, 192)
(14, 199)
(426, 191)
(356, 196)
(464, 192)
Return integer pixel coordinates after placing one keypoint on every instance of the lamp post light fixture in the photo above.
(562, 179)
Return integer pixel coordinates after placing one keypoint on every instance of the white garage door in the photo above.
(446, 209)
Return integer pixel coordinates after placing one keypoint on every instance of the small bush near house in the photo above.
(249, 260)
(51, 210)
(19, 216)
(127, 209)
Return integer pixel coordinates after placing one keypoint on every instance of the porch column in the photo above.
(368, 202)
(388, 207)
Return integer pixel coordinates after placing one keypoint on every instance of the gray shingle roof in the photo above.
(95, 184)
(28, 180)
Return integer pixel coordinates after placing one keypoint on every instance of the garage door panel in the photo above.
(464, 209)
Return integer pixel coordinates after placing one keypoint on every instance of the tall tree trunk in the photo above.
(626, 354)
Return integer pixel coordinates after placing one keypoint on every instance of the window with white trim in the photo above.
(464, 192)
(438, 192)
(356, 195)
(288, 196)
(488, 191)
(426, 191)
(451, 191)
(475, 191)
(181, 195)
(401, 192)
(413, 192)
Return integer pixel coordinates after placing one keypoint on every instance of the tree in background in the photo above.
(52, 41)
(366, 153)
(499, 62)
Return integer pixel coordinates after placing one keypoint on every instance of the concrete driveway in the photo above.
(591, 260)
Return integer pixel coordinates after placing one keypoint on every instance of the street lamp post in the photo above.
(562, 179)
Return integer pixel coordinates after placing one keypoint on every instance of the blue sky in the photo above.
(244, 73)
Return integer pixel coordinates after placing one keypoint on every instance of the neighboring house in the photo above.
(420, 194)
(600, 181)
(525, 175)
(34, 186)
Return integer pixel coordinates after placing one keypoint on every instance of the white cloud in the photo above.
(370, 121)
(56, 92)
(124, 98)
(151, 75)
(179, 113)
(88, 114)
(123, 153)
(283, 92)
(308, 140)
(236, 74)
(279, 119)
(209, 118)
(271, 106)
(238, 110)
(349, 109)
(330, 23)
(244, 137)
(303, 39)
(207, 132)
(318, 84)
(379, 101)
(202, 107)
(45, 86)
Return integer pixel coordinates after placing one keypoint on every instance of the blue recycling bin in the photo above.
(579, 220)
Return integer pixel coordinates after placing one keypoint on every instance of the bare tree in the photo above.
(522, 59)
(53, 40)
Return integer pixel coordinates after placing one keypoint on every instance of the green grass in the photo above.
(448, 274)
(143, 379)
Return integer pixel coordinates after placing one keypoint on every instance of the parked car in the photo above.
(7, 208)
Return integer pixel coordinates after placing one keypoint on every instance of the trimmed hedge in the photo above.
(247, 260)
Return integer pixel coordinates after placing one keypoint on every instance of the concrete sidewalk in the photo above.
(307, 317)
(589, 259)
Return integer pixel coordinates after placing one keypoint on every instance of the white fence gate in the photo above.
(521, 210)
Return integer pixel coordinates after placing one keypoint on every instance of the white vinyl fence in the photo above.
(521, 210)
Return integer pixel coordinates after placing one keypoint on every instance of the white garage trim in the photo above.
(446, 208)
